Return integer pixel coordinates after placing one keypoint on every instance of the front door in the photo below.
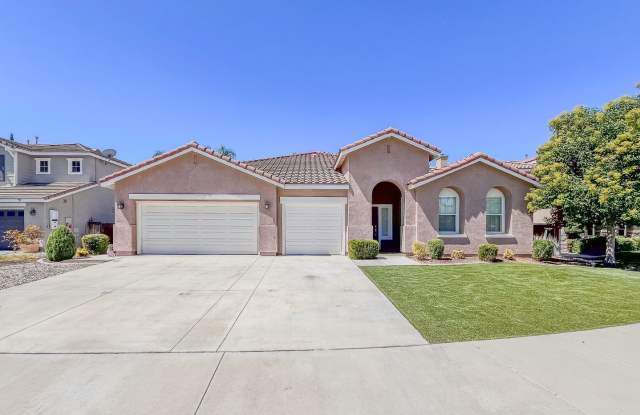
(382, 218)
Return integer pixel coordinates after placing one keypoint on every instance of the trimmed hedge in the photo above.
(61, 244)
(435, 248)
(488, 252)
(363, 249)
(625, 244)
(636, 240)
(542, 250)
(95, 243)
(594, 245)
(419, 250)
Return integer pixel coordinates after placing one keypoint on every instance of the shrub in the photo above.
(419, 250)
(14, 238)
(488, 252)
(457, 254)
(542, 250)
(82, 252)
(508, 255)
(95, 243)
(636, 240)
(61, 244)
(625, 244)
(32, 234)
(435, 248)
(363, 249)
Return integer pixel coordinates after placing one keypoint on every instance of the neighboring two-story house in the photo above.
(51, 184)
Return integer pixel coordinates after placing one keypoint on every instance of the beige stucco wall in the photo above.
(193, 173)
(367, 167)
(472, 185)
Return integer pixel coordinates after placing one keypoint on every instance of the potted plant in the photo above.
(29, 240)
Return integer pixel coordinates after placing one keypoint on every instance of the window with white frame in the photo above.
(494, 212)
(43, 166)
(74, 166)
(448, 210)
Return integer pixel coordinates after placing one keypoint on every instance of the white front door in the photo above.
(313, 225)
(385, 222)
(197, 227)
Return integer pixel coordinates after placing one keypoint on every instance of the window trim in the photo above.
(38, 160)
(449, 192)
(70, 165)
(495, 193)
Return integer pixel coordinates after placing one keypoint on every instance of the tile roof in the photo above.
(303, 168)
(466, 161)
(395, 131)
(58, 148)
(196, 146)
(525, 165)
(43, 191)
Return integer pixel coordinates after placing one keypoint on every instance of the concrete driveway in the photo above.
(278, 335)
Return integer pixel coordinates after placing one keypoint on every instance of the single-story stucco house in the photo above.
(193, 200)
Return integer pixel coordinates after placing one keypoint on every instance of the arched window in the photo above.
(448, 209)
(494, 213)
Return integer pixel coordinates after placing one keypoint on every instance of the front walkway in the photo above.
(283, 335)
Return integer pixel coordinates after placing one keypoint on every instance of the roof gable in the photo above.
(469, 161)
(192, 147)
(383, 135)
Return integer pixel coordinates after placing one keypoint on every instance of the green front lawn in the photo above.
(449, 303)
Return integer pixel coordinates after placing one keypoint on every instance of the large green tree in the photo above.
(590, 170)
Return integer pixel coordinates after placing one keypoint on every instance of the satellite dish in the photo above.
(109, 152)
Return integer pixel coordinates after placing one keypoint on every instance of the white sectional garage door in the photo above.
(198, 227)
(313, 226)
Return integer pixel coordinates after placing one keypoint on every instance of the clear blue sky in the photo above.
(271, 78)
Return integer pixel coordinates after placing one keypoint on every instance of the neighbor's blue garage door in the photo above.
(10, 219)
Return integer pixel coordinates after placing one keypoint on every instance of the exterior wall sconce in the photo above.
(32, 212)
(267, 205)
(120, 204)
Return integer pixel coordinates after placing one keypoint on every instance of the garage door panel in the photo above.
(314, 229)
(199, 228)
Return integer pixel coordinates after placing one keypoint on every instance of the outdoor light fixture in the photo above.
(120, 204)
(267, 205)
(32, 212)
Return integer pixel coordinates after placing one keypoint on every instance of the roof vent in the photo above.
(109, 152)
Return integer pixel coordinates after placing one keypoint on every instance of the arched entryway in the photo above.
(386, 202)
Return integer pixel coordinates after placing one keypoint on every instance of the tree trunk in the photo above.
(610, 254)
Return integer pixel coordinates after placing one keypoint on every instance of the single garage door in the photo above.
(198, 227)
(313, 225)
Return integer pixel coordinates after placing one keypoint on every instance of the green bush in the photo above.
(61, 244)
(363, 249)
(457, 254)
(488, 252)
(419, 250)
(435, 248)
(625, 244)
(542, 250)
(636, 240)
(95, 243)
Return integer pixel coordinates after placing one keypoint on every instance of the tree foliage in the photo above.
(590, 168)
(226, 151)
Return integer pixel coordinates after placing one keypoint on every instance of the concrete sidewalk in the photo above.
(284, 335)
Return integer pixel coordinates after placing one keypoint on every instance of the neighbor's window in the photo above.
(494, 213)
(43, 166)
(448, 208)
(75, 166)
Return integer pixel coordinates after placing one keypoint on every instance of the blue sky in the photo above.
(271, 78)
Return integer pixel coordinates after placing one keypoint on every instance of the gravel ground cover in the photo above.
(22, 273)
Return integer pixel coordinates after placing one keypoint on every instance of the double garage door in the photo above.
(310, 226)
(198, 227)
